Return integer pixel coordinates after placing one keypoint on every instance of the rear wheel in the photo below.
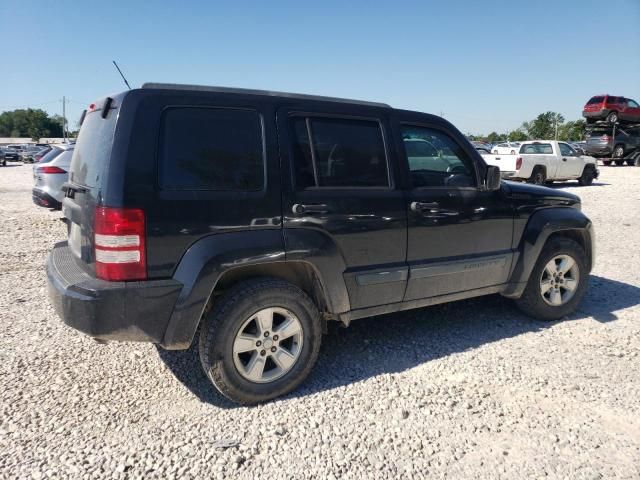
(538, 177)
(631, 162)
(588, 174)
(558, 281)
(606, 162)
(612, 117)
(619, 162)
(260, 340)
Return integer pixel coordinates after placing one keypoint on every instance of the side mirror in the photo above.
(492, 178)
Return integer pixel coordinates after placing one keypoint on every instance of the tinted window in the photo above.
(613, 99)
(93, 148)
(566, 149)
(632, 104)
(595, 100)
(332, 152)
(211, 149)
(435, 159)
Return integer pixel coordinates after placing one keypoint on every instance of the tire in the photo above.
(588, 174)
(606, 162)
(619, 162)
(612, 117)
(234, 314)
(532, 302)
(538, 176)
(631, 162)
(618, 151)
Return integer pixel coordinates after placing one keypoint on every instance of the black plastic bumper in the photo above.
(43, 199)
(130, 311)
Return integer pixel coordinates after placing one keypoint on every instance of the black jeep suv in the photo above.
(259, 216)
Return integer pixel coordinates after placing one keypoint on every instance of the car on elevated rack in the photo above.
(611, 108)
(255, 217)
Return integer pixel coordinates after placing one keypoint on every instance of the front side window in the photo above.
(337, 152)
(633, 104)
(435, 159)
(566, 149)
(211, 149)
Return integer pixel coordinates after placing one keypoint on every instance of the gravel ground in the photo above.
(466, 390)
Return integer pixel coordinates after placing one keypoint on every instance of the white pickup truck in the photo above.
(545, 161)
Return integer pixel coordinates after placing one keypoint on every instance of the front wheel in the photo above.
(558, 281)
(260, 340)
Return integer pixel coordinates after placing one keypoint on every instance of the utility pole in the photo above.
(64, 120)
(556, 138)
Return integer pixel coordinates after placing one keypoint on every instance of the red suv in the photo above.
(613, 109)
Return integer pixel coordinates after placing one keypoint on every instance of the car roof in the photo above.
(247, 91)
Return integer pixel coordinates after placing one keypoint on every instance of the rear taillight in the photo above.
(119, 244)
(518, 163)
(606, 138)
(50, 170)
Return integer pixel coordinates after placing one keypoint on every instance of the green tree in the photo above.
(543, 127)
(572, 131)
(517, 136)
(495, 137)
(33, 123)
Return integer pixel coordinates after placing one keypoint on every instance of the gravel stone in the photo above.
(440, 392)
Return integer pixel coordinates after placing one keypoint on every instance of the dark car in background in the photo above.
(613, 146)
(612, 109)
(12, 153)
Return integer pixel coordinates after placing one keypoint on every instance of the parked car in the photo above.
(510, 148)
(28, 155)
(255, 217)
(613, 147)
(12, 152)
(3, 160)
(580, 147)
(546, 161)
(50, 175)
(612, 109)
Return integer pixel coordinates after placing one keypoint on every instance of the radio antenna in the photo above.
(122, 75)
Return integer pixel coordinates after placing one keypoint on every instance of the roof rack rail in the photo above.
(248, 91)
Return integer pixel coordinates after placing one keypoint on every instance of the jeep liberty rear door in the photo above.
(342, 210)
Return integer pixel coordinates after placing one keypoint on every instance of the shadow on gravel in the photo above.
(396, 342)
(575, 184)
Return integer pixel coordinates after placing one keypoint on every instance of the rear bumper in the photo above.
(129, 311)
(43, 199)
(596, 114)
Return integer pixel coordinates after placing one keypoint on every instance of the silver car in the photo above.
(50, 174)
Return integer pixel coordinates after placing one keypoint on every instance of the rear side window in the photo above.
(336, 152)
(211, 149)
(595, 100)
(613, 99)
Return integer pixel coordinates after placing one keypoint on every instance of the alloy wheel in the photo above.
(267, 345)
(559, 280)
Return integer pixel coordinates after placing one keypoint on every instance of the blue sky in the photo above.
(488, 65)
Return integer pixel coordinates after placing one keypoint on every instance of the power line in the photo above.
(30, 105)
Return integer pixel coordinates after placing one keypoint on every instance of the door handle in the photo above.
(422, 206)
(300, 208)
